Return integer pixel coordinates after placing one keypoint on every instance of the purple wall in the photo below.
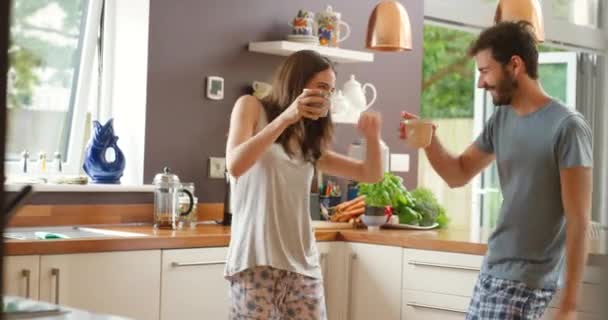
(192, 39)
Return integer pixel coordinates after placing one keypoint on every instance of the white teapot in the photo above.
(342, 110)
(355, 94)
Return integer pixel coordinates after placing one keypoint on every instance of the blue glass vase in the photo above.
(95, 163)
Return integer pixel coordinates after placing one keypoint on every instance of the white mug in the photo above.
(418, 133)
(261, 89)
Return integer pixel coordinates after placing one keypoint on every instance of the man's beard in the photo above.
(504, 90)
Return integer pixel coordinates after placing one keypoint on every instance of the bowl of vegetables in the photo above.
(418, 209)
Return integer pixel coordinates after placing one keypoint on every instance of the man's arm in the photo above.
(457, 171)
(576, 184)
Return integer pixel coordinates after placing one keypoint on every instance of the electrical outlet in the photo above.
(400, 162)
(217, 167)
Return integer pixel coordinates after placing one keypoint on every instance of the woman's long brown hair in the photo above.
(313, 136)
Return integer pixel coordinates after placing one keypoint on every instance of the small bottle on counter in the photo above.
(42, 164)
(57, 163)
(25, 158)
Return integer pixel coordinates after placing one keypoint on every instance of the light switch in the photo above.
(400, 162)
(217, 167)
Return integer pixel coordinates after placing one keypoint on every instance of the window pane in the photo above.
(44, 57)
(580, 12)
(447, 99)
(553, 77)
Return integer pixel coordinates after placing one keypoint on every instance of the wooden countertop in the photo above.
(448, 240)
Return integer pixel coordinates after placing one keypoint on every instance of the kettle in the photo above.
(167, 189)
(355, 93)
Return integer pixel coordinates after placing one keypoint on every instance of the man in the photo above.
(544, 156)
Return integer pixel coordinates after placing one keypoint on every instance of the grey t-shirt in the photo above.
(529, 240)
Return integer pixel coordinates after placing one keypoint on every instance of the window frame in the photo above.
(479, 14)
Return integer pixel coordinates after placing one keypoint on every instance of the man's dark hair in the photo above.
(508, 39)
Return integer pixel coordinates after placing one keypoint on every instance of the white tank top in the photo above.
(271, 223)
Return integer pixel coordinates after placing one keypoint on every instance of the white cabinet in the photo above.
(440, 272)
(331, 258)
(119, 283)
(21, 276)
(438, 285)
(193, 284)
(373, 282)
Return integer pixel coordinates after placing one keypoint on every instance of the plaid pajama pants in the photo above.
(502, 299)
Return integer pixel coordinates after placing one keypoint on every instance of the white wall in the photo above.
(124, 80)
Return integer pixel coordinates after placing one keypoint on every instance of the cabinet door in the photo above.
(331, 258)
(374, 280)
(119, 283)
(21, 276)
(193, 284)
(420, 305)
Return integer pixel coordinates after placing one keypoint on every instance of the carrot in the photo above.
(350, 214)
(355, 206)
(352, 206)
(346, 204)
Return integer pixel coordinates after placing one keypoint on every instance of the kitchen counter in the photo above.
(447, 240)
(32, 309)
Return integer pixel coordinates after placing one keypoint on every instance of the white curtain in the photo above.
(590, 86)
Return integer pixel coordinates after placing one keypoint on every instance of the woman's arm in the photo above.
(244, 148)
(370, 170)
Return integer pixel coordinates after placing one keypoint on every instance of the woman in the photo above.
(272, 150)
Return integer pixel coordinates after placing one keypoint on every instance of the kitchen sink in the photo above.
(66, 232)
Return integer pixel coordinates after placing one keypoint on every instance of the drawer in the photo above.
(440, 272)
(591, 291)
(419, 305)
(590, 299)
(551, 312)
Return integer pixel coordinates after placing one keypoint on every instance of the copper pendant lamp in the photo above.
(527, 10)
(389, 28)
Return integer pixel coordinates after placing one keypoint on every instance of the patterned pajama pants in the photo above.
(269, 293)
(501, 299)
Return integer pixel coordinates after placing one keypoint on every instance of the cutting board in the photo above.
(316, 224)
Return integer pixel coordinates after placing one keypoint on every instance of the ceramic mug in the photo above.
(261, 89)
(418, 133)
(303, 24)
(328, 28)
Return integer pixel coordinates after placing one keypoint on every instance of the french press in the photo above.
(167, 189)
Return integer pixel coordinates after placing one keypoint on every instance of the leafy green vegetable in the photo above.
(419, 207)
(429, 208)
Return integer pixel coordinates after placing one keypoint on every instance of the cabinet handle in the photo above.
(440, 265)
(352, 257)
(426, 306)
(193, 264)
(323, 262)
(55, 273)
(26, 274)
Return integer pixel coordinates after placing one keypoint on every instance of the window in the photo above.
(578, 12)
(448, 99)
(48, 72)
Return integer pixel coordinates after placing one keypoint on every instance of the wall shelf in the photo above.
(285, 48)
